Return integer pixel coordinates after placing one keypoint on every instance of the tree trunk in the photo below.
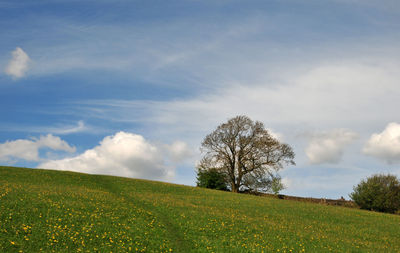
(235, 188)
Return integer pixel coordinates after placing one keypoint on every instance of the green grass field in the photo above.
(43, 210)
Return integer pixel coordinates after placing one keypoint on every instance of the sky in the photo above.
(131, 88)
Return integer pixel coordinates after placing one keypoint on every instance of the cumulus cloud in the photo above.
(124, 154)
(328, 147)
(28, 149)
(385, 145)
(19, 64)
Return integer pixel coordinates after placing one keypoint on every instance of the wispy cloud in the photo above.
(58, 129)
(80, 127)
(327, 96)
(205, 53)
(19, 64)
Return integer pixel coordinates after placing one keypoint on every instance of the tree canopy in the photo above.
(246, 153)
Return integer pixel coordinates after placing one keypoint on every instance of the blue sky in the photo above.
(131, 88)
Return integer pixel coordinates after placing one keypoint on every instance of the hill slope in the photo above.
(65, 211)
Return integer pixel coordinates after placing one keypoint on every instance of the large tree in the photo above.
(246, 153)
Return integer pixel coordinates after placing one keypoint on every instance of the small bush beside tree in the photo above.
(270, 183)
(212, 179)
(378, 193)
(277, 185)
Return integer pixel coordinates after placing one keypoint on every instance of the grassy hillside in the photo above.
(65, 211)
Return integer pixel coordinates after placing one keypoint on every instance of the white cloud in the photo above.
(53, 142)
(124, 154)
(19, 63)
(385, 145)
(29, 149)
(328, 147)
(178, 151)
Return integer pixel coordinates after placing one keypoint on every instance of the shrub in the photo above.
(212, 179)
(378, 193)
(277, 185)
